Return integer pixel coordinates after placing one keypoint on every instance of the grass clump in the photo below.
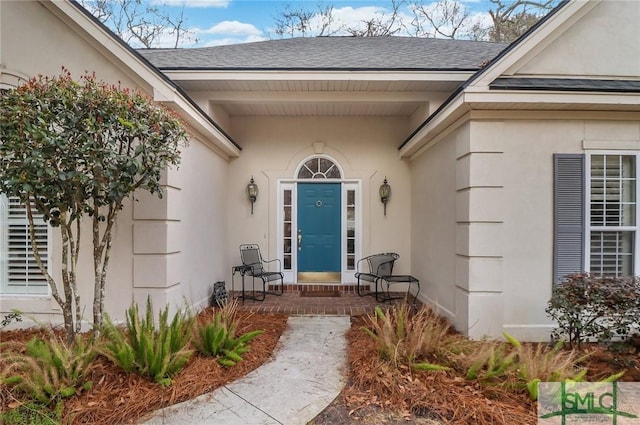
(423, 341)
(413, 339)
(157, 352)
(48, 370)
(217, 337)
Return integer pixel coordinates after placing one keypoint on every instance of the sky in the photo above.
(218, 22)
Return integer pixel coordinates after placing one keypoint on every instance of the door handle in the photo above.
(299, 240)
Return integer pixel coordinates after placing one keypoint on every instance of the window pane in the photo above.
(319, 168)
(287, 262)
(324, 165)
(287, 229)
(613, 190)
(597, 166)
(612, 253)
(351, 229)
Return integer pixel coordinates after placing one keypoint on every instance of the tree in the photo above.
(140, 23)
(303, 22)
(442, 19)
(74, 149)
(381, 24)
(511, 19)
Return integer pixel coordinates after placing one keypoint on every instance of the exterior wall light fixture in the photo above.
(252, 192)
(385, 194)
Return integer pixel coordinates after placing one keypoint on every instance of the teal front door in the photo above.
(319, 206)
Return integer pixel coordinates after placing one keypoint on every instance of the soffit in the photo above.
(348, 95)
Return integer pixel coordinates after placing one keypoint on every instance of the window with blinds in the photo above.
(613, 221)
(18, 268)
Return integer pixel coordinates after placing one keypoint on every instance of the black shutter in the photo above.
(569, 214)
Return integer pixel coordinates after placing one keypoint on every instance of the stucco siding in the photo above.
(365, 148)
(203, 229)
(591, 47)
(527, 269)
(51, 44)
(433, 221)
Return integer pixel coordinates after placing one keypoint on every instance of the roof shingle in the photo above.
(332, 53)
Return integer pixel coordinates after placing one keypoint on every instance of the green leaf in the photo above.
(429, 367)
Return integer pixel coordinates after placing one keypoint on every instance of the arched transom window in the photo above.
(319, 168)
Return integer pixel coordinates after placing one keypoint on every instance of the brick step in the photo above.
(320, 287)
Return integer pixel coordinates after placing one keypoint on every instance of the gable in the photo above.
(605, 43)
(34, 41)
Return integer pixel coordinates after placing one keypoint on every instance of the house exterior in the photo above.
(510, 166)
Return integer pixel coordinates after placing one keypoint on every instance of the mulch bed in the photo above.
(374, 394)
(118, 397)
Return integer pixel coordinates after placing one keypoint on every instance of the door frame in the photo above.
(347, 274)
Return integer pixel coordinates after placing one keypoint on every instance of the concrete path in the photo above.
(306, 375)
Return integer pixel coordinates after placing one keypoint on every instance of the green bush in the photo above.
(588, 307)
(217, 338)
(49, 370)
(156, 352)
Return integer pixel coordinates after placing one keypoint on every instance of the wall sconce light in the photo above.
(252, 192)
(385, 194)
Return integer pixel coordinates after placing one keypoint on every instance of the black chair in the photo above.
(256, 267)
(378, 270)
(372, 267)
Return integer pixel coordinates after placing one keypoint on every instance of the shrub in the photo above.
(157, 353)
(524, 366)
(592, 307)
(406, 338)
(49, 370)
(217, 338)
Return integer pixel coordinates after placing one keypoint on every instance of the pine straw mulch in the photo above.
(373, 394)
(118, 397)
(374, 388)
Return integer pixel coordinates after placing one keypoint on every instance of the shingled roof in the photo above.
(332, 53)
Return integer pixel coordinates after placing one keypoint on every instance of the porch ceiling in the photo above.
(300, 94)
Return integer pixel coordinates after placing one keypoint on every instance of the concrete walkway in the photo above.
(306, 375)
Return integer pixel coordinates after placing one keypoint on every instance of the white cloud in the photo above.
(194, 3)
(230, 40)
(230, 28)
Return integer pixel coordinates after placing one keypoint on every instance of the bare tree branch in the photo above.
(140, 23)
(443, 18)
(511, 19)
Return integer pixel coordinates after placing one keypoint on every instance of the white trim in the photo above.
(290, 276)
(537, 41)
(319, 155)
(348, 276)
(311, 75)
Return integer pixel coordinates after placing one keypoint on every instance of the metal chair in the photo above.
(372, 267)
(380, 270)
(256, 267)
